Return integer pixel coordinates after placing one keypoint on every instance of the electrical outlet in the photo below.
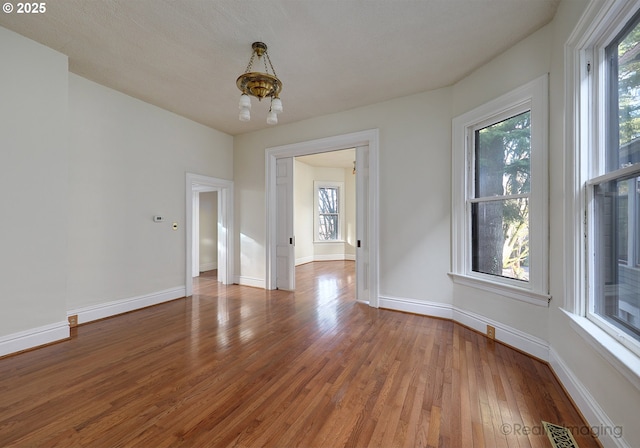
(491, 332)
(73, 320)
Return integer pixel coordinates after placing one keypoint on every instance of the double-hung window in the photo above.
(500, 195)
(329, 211)
(612, 179)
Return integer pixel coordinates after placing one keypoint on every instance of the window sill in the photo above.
(512, 292)
(621, 358)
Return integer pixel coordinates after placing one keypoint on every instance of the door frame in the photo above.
(363, 138)
(194, 183)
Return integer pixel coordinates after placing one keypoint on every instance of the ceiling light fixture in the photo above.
(260, 85)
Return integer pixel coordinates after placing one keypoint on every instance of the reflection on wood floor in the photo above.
(241, 366)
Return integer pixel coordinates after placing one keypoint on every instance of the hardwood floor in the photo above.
(240, 366)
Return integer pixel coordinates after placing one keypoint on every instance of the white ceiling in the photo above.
(331, 55)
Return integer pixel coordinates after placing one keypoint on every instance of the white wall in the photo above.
(128, 163)
(34, 200)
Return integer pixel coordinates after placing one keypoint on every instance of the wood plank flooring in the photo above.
(243, 367)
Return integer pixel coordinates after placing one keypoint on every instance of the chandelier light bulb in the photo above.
(272, 117)
(245, 115)
(276, 105)
(245, 101)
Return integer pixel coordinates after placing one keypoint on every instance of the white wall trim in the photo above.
(208, 266)
(600, 423)
(325, 257)
(430, 309)
(34, 337)
(250, 281)
(104, 310)
(304, 260)
(529, 344)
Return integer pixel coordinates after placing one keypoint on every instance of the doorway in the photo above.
(280, 252)
(196, 184)
(205, 231)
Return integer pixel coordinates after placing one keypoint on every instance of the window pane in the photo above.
(617, 297)
(500, 234)
(623, 146)
(328, 227)
(328, 200)
(502, 157)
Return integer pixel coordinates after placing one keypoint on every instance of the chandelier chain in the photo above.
(267, 58)
(253, 55)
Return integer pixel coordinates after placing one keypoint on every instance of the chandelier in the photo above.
(260, 85)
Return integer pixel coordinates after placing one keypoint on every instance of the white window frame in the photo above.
(316, 213)
(584, 136)
(532, 96)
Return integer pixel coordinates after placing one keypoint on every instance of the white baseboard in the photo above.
(431, 309)
(33, 338)
(250, 281)
(532, 345)
(326, 257)
(504, 333)
(304, 260)
(608, 433)
(104, 310)
(204, 267)
(334, 257)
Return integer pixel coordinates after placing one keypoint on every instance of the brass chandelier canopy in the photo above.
(260, 85)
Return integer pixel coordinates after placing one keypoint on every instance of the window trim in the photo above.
(600, 23)
(316, 213)
(532, 96)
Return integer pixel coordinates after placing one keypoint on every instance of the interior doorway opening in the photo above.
(324, 203)
(223, 189)
(280, 253)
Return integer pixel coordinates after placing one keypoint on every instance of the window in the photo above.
(500, 195)
(500, 198)
(328, 211)
(613, 187)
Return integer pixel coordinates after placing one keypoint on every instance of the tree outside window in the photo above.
(500, 207)
(328, 214)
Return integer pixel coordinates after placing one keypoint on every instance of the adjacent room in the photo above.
(311, 223)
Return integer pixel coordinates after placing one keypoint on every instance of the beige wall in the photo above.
(208, 244)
